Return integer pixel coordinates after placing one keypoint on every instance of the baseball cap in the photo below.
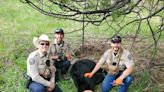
(59, 30)
(115, 39)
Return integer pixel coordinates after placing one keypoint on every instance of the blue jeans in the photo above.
(108, 82)
(62, 68)
(37, 87)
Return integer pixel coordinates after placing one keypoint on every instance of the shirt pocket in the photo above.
(122, 65)
(53, 50)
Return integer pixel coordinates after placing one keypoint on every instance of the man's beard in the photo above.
(116, 49)
(59, 40)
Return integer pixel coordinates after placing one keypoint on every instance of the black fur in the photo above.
(78, 70)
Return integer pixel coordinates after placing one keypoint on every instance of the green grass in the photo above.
(19, 23)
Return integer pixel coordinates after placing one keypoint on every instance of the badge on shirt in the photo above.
(31, 61)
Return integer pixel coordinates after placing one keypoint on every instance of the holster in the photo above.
(28, 80)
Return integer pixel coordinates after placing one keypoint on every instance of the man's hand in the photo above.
(69, 56)
(88, 75)
(49, 89)
(51, 86)
(118, 81)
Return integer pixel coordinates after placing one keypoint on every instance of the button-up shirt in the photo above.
(36, 66)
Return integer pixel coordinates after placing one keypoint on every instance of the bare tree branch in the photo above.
(123, 13)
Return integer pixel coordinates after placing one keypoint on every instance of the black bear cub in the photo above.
(79, 68)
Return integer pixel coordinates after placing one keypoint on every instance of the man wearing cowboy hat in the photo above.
(119, 64)
(60, 53)
(40, 69)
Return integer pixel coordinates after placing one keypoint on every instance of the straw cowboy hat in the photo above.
(42, 37)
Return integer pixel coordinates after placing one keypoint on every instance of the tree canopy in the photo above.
(97, 10)
(109, 11)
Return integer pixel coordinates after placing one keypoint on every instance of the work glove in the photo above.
(88, 75)
(118, 81)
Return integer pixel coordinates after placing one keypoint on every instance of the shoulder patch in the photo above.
(31, 61)
(130, 57)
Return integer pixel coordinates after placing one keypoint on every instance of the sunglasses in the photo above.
(47, 44)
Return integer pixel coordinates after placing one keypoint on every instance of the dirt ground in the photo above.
(94, 48)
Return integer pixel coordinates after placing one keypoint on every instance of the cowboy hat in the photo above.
(42, 37)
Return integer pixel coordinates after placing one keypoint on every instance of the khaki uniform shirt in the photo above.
(59, 49)
(36, 66)
(125, 59)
